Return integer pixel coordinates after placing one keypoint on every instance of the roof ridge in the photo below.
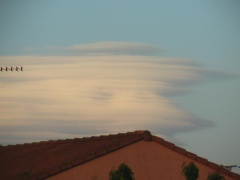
(201, 160)
(92, 138)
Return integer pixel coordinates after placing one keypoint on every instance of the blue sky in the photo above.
(171, 67)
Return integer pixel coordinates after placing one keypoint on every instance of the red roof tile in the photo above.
(44, 159)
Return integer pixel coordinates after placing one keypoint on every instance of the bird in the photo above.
(21, 68)
(16, 68)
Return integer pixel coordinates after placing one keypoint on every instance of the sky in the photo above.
(104, 67)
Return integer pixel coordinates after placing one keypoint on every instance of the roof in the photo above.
(47, 158)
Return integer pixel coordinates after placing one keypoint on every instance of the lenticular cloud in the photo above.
(69, 96)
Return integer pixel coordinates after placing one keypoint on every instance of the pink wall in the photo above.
(147, 159)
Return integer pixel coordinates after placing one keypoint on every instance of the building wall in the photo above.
(147, 159)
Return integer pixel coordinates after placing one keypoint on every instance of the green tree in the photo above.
(215, 176)
(190, 171)
(122, 173)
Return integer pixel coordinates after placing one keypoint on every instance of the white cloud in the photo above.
(100, 48)
(61, 97)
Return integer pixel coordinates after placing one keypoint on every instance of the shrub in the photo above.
(122, 173)
(190, 171)
(215, 176)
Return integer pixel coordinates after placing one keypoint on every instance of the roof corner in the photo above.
(144, 134)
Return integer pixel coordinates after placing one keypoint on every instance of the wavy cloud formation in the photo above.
(101, 48)
(69, 96)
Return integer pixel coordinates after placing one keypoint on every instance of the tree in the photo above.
(122, 173)
(115, 175)
(215, 176)
(190, 171)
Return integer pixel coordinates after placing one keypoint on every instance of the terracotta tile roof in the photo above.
(196, 158)
(44, 159)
